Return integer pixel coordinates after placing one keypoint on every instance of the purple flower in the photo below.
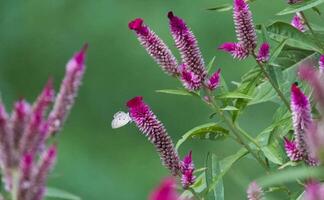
(254, 192)
(187, 170)
(315, 142)
(165, 191)
(244, 26)
(264, 53)
(321, 64)
(68, 91)
(294, 1)
(235, 49)
(27, 172)
(298, 23)
(214, 81)
(155, 47)
(292, 150)
(189, 79)
(301, 115)
(314, 191)
(187, 44)
(151, 127)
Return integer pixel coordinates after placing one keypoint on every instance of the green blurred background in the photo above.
(37, 37)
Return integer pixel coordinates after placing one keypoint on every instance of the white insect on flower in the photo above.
(120, 119)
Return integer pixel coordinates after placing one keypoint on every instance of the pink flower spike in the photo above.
(6, 139)
(264, 53)
(19, 120)
(214, 80)
(235, 49)
(68, 91)
(254, 192)
(45, 98)
(189, 80)
(314, 191)
(26, 167)
(298, 23)
(154, 130)
(302, 118)
(155, 47)
(244, 26)
(292, 151)
(187, 170)
(321, 64)
(187, 44)
(165, 191)
(315, 143)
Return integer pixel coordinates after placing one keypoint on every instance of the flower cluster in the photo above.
(192, 71)
(298, 22)
(187, 170)
(254, 192)
(165, 191)
(25, 158)
(314, 191)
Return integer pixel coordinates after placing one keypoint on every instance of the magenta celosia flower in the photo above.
(214, 81)
(301, 115)
(313, 77)
(235, 49)
(187, 44)
(244, 26)
(315, 142)
(156, 48)
(151, 127)
(254, 192)
(187, 170)
(27, 172)
(165, 191)
(292, 150)
(68, 91)
(314, 191)
(264, 53)
(189, 79)
(294, 1)
(298, 23)
(321, 64)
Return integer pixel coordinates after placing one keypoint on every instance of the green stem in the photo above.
(194, 193)
(234, 129)
(15, 185)
(318, 42)
(277, 89)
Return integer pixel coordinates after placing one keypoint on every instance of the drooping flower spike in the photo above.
(187, 170)
(264, 53)
(235, 49)
(214, 81)
(187, 44)
(154, 130)
(298, 23)
(165, 191)
(254, 192)
(292, 150)
(155, 47)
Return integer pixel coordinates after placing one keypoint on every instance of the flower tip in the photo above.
(80, 56)
(228, 47)
(239, 4)
(136, 24)
(170, 15)
(135, 101)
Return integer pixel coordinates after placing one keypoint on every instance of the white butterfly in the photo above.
(120, 119)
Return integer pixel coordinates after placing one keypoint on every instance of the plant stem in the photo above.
(194, 193)
(277, 89)
(236, 131)
(14, 191)
(318, 42)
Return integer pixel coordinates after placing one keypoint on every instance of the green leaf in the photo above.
(209, 131)
(175, 92)
(290, 175)
(298, 7)
(235, 95)
(221, 8)
(216, 171)
(229, 108)
(280, 31)
(60, 194)
(271, 152)
(225, 166)
(301, 196)
(210, 64)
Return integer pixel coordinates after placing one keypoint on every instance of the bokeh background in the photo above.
(37, 37)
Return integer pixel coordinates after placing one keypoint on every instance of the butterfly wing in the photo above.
(120, 120)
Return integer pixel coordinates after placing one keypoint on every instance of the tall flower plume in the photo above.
(155, 47)
(187, 44)
(151, 127)
(254, 192)
(301, 115)
(292, 150)
(25, 159)
(187, 170)
(68, 91)
(165, 191)
(264, 53)
(245, 32)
